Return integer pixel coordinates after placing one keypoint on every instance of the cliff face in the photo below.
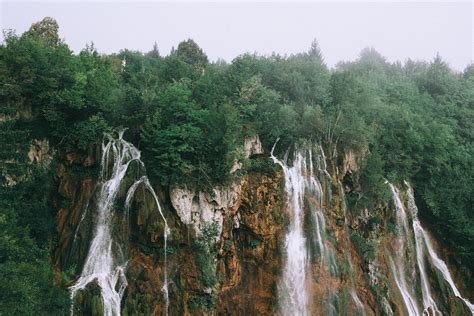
(76, 186)
(226, 249)
(238, 275)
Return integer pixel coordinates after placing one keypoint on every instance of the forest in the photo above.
(411, 121)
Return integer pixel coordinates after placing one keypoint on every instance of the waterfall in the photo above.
(422, 242)
(327, 255)
(402, 256)
(301, 182)
(357, 301)
(144, 180)
(400, 280)
(314, 188)
(106, 261)
(422, 239)
(293, 293)
(443, 268)
(429, 303)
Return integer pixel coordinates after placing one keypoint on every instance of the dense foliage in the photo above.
(411, 121)
(26, 226)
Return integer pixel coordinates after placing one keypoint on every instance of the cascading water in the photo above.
(422, 239)
(300, 180)
(429, 303)
(422, 242)
(106, 262)
(400, 279)
(293, 293)
(144, 180)
(315, 189)
(357, 301)
(402, 256)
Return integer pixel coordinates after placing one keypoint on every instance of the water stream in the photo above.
(423, 252)
(293, 292)
(423, 241)
(400, 260)
(106, 261)
(301, 183)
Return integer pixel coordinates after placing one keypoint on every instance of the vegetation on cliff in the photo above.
(26, 230)
(411, 121)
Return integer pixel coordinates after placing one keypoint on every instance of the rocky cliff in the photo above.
(226, 252)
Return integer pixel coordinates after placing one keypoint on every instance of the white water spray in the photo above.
(422, 239)
(422, 242)
(315, 188)
(293, 294)
(400, 280)
(105, 263)
(357, 301)
(398, 265)
(144, 180)
(300, 180)
(429, 303)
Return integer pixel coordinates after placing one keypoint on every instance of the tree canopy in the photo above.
(413, 121)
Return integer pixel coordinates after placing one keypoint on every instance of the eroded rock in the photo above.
(198, 208)
(252, 146)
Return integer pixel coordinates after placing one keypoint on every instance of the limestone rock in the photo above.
(198, 208)
(252, 146)
(352, 161)
(40, 152)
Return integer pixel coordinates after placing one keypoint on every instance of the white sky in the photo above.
(227, 29)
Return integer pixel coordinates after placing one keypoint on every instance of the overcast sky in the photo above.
(228, 29)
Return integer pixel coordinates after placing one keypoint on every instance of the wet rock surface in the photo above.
(243, 225)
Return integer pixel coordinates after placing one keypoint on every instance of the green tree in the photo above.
(191, 54)
(47, 30)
